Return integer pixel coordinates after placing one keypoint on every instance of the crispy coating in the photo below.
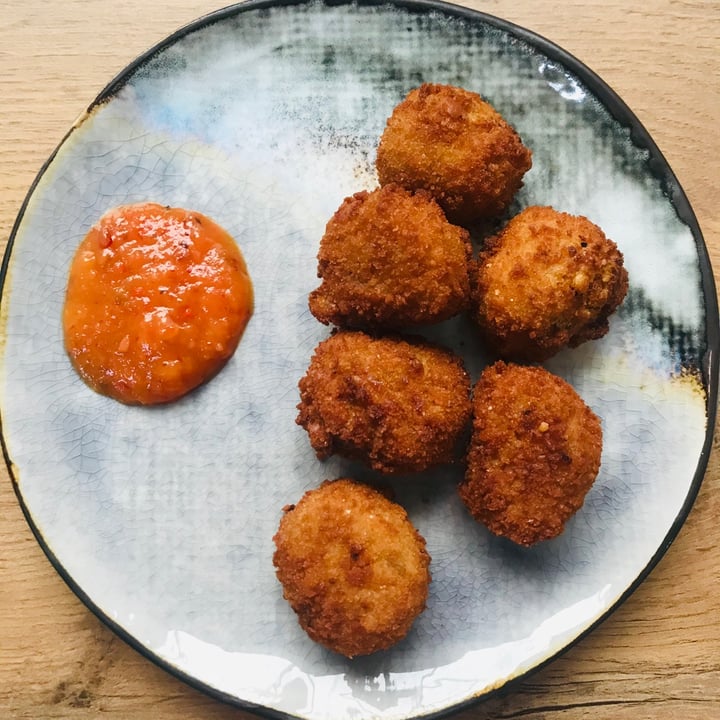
(390, 258)
(352, 567)
(456, 146)
(396, 405)
(546, 281)
(534, 453)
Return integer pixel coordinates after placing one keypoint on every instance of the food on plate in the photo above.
(546, 281)
(452, 143)
(157, 301)
(399, 406)
(534, 453)
(352, 566)
(390, 258)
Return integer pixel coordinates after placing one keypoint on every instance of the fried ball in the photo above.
(456, 146)
(396, 405)
(534, 453)
(352, 567)
(546, 281)
(390, 258)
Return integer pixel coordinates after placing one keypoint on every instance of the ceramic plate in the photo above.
(265, 116)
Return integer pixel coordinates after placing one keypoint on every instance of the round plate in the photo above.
(265, 116)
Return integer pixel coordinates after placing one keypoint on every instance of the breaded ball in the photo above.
(352, 567)
(546, 281)
(455, 145)
(390, 258)
(398, 406)
(534, 453)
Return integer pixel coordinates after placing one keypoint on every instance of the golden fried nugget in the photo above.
(534, 453)
(546, 281)
(455, 145)
(352, 567)
(390, 258)
(398, 406)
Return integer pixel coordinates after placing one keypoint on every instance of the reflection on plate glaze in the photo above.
(565, 84)
(265, 119)
(396, 695)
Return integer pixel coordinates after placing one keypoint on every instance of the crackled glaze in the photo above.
(163, 518)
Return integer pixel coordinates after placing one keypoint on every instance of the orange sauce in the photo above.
(157, 301)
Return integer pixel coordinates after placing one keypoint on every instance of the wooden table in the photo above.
(657, 657)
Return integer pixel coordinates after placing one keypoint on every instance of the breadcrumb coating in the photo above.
(534, 453)
(390, 258)
(399, 406)
(452, 143)
(548, 280)
(352, 567)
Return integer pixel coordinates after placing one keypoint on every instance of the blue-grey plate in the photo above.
(265, 116)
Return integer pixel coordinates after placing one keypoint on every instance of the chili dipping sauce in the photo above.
(157, 301)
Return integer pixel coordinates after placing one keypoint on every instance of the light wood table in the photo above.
(657, 657)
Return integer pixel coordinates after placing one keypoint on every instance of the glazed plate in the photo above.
(264, 116)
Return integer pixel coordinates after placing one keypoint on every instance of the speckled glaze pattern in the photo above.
(265, 117)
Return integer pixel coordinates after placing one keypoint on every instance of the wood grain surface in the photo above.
(658, 656)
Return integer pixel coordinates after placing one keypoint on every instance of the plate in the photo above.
(265, 116)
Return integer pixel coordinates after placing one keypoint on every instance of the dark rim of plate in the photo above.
(656, 163)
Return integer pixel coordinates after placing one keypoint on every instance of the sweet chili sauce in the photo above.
(157, 301)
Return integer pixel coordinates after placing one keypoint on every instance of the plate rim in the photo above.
(658, 166)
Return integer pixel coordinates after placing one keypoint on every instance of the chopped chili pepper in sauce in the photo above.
(157, 301)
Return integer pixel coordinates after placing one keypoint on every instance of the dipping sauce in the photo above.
(157, 301)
